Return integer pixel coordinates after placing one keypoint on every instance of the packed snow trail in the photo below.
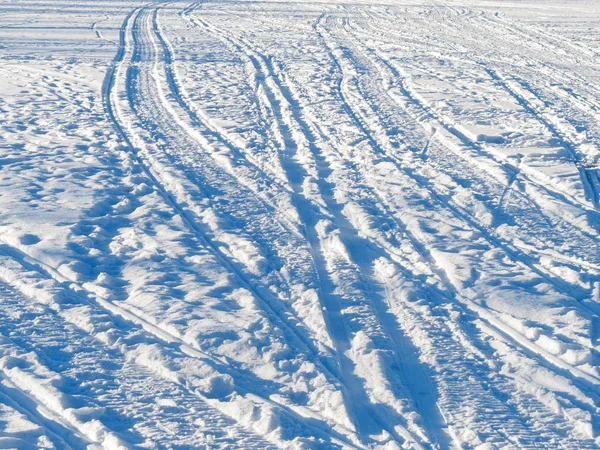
(300, 225)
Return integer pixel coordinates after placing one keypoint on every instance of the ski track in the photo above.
(356, 226)
(309, 218)
(118, 382)
(377, 145)
(513, 251)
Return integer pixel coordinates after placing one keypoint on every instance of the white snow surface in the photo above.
(300, 225)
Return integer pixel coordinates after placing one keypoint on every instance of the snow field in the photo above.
(318, 225)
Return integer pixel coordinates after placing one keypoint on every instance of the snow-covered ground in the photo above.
(307, 225)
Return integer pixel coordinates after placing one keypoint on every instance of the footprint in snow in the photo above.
(29, 239)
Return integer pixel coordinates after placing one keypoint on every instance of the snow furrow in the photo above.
(518, 260)
(328, 262)
(85, 325)
(182, 196)
(194, 228)
(514, 248)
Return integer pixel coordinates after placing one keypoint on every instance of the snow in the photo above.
(307, 225)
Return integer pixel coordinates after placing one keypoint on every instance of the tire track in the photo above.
(110, 339)
(171, 200)
(172, 343)
(478, 153)
(496, 324)
(278, 95)
(193, 216)
(513, 334)
(200, 129)
(552, 123)
(494, 242)
(545, 353)
(517, 252)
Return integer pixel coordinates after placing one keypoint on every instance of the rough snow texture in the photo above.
(299, 225)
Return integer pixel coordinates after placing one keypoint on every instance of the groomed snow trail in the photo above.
(339, 225)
